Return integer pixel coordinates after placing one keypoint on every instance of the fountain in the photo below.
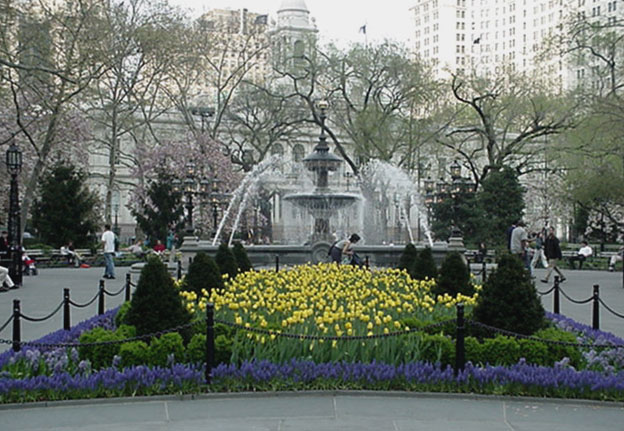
(322, 203)
(382, 182)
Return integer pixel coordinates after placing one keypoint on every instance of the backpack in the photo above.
(330, 248)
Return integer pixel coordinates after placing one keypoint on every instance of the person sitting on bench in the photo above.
(584, 252)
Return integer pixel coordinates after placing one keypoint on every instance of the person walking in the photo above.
(5, 278)
(108, 242)
(552, 250)
(520, 244)
(538, 251)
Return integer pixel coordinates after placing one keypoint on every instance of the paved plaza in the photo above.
(300, 411)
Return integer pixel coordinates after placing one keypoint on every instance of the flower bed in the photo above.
(313, 302)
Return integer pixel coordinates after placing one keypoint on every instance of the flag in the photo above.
(477, 40)
(262, 20)
(363, 29)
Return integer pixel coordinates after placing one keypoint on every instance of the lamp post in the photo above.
(14, 167)
(204, 113)
(190, 186)
(438, 192)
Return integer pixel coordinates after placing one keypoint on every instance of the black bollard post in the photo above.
(210, 346)
(460, 354)
(179, 269)
(101, 298)
(277, 263)
(556, 296)
(128, 287)
(483, 271)
(17, 330)
(66, 310)
(596, 308)
(367, 262)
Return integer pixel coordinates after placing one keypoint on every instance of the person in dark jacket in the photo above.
(552, 250)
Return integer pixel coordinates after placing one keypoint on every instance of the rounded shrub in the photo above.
(122, 314)
(156, 305)
(454, 277)
(161, 348)
(557, 352)
(509, 300)
(500, 350)
(533, 351)
(203, 273)
(242, 260)
(100, 355)
(226, 261)
(134, 353)
(408, 258)
(196, 349)
(473, 350)
(425, 266)
(437, 348)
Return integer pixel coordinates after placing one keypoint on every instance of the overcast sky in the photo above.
(338, 20)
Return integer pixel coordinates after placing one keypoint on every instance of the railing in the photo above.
(17, 316)
(594, 298)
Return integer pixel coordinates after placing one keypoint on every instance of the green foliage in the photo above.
(242, 260)
(461, 210)
(454, 277)
(425, 266)
(126, 331)
(134, 353)
(501, 198)
(196, 349)
(500, 350)
(226, 261)
(160, 349)
(224, 339)
(66, 209)
(203, 273)
(160, 209)
(509, 299)
(408, 258)
(557, 352)
(100, 355)
(535, 352)
(122, 314)
(437, 348)
(156, 304)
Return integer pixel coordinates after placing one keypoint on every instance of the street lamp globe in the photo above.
(14, 159)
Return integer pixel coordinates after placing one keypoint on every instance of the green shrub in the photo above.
(424, 266)
(160, 348)
(203, 273)
(196, 349)
(557, 352)
(408, 258)
(473, 350)
(122, 314)
(509, 300)
(134, 353)
(226, 261)
(437, 348)
(454, 277)
(100, 355)
(242, 260)
(535, 352)
(126, 331)
(156, 304)
(500, 350)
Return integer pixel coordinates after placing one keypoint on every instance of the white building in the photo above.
(487, 35)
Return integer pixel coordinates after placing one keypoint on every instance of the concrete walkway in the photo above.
(320, 411)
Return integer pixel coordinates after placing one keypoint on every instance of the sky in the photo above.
(337, 20)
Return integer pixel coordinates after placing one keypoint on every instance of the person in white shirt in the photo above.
(5, 278)
(615, 259)
(108, 242)
(584, 252)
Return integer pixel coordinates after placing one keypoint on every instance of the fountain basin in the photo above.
(323, 204)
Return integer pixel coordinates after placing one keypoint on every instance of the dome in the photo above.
(299, 5)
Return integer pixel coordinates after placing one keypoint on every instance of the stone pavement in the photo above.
(319, 411)
(301, 411)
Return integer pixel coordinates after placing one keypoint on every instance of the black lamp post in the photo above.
(14, 167)
(204, 113)
(216, 200)
(115, 207)
(190, 186)
(429, 197)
